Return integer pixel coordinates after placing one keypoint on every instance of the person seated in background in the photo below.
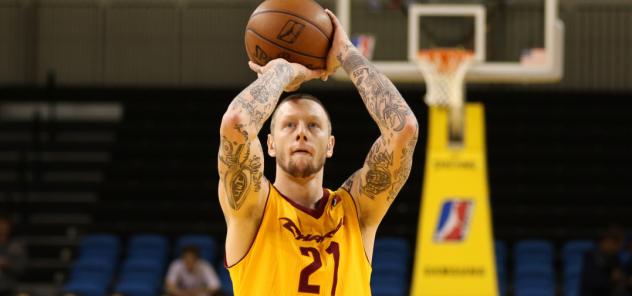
(602, 271)
(192, 276)
(12, 258)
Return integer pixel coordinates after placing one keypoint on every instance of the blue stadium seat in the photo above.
(148, 242)
(572, 285)
(388, 285)
(535, 292)
(149, 246)
(205, 243)
(500, 251)
(148, 270)
(85, 288)
(136, 287)
(388, 267)
(574, 250)
(572, 268)
(97, 270)
(501, 275)
(391, 257)
(530, 251)
(105, 246)
(573, 256)
(100, 241)
(224, 277)
(530, 278)
(534, 269)
(392, 244)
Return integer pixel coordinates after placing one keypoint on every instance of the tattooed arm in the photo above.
(387, 166)
(242, 187)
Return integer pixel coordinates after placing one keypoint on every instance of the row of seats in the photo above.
(142, 271)
(533, 267)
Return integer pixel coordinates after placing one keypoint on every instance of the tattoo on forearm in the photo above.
(378, 177)
(402, 173)
(243, 168)
(259, 99)
(385, 104)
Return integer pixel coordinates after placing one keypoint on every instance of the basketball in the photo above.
(296, 30)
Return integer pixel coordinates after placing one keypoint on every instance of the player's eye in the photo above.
(290, 124)
(313, 125)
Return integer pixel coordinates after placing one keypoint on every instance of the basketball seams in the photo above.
(319, 29)
(286, 48)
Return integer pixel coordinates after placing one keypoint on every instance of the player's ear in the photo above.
(330, 146)
(271, 149)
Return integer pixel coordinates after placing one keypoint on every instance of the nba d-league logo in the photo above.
(454, 220)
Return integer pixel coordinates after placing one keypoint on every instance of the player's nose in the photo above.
(301, 132)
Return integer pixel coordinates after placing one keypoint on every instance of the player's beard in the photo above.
(296, 171)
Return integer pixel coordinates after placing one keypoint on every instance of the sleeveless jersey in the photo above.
(300, 251)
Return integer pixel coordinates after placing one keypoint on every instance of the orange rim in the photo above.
(446, 59)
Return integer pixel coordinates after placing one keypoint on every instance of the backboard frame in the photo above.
(484, 71)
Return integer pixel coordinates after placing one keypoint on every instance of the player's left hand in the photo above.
(339, 46)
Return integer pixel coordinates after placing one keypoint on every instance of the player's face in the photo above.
(301, 139)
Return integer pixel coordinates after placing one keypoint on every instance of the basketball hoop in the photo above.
(444, 71)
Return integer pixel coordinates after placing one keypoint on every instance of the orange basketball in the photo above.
(296, 30)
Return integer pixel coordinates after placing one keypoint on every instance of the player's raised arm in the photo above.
(388, 163)
(242, 186)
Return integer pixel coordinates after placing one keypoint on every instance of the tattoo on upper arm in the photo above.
(243, 168)
(349, 182)
(378, 177)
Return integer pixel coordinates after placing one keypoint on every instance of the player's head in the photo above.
(190, 256)
(300, 135)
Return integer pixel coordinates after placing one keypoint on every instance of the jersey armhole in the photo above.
(355, 207)
(265, 210)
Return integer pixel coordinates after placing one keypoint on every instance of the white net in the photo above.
(444, 71)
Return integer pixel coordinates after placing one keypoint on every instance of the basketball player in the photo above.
(292, 237)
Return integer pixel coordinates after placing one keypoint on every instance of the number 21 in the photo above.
(303, 283)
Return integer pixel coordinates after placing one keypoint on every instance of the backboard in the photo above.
(549, 57)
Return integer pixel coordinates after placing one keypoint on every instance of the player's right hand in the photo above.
(300, 73)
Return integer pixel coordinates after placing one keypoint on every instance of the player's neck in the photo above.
(304, 191)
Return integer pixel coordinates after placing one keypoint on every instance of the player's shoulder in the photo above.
(342, 195)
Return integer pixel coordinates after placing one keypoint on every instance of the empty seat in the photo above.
(136, 287)
(204, 243)
(150, 246)
(97, 270)
(85, 288)
(390, 275)
(500, 252)
(224, 277)
(143, 268)
(105, 246)
(573, 255)
(387, 285)
(531, 251)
